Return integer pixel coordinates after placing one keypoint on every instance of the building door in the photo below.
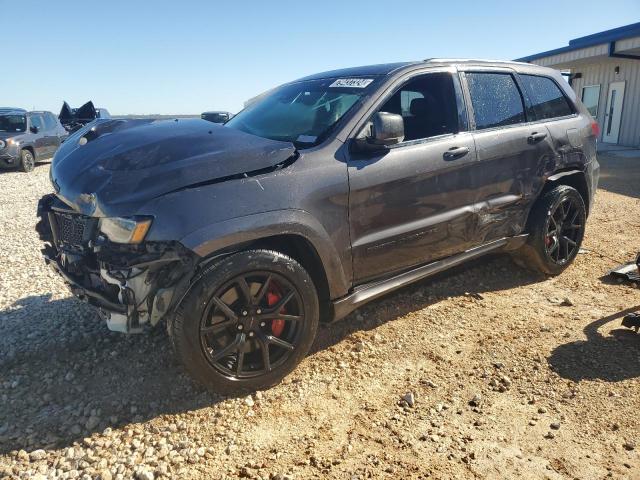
(613, 114)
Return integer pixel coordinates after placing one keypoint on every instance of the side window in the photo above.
(547, 101)
(428, 106)
(49, 121)
(496, 99)
(36, 121)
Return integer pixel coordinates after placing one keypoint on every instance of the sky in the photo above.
(188, 56)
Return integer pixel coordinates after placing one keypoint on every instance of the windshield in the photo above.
(303, 113)
(13, 123)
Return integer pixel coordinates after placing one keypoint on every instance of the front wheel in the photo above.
(556, 229)
(246, 322)
(27, 162)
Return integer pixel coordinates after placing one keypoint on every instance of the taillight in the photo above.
(595, 129)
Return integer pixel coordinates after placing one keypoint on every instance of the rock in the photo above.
(542, 410)
(144, 474)
(476, 400)
(409, 399)
(37, 455)
(555, 426)
(105, 475)
(629, 445)
(550, 435)
(567, 302)
(249, 401)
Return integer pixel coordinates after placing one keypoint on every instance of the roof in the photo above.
(366, 70)
(608, 36)
(12, 110)
(388, 68)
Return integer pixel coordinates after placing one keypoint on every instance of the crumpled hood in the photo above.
(112, 167)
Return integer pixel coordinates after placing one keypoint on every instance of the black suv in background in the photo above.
(28, 137)
(326, 193)
(216, 117)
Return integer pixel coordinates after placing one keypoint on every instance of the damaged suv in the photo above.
(328, 192)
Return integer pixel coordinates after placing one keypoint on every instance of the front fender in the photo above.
(239, 230)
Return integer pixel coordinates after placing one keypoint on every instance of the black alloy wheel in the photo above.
(565, 230)
(251, 324)
(246, 321)
(556, 228)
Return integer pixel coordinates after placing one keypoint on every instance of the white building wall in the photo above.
(603, 73)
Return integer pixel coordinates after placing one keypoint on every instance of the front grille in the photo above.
(71, 228)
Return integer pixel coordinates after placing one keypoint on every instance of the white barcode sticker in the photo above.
(352, 82)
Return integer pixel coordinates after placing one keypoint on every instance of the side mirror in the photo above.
(387, 129)
(34, 129)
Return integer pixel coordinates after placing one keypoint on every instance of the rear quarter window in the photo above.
(496, 99)
(547, 100)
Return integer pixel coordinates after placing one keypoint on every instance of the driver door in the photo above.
(413, 202)
(39, 138)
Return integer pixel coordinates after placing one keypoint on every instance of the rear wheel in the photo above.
(556, 229)
(246, 322)
(27, 162)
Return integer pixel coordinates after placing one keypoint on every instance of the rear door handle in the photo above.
(455, 152)
(535, 137)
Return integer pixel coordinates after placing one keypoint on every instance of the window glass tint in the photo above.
(36, 121)
(304, 112)
(49, 121)
(547, 101)
(427, 105)
(591, 99)
(13, 123)
(496, 99)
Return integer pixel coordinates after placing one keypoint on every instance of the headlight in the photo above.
(125, 230)
(13, 142)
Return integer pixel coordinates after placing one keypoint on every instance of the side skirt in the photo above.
(367, 292)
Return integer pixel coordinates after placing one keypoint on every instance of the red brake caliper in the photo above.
(277, 325)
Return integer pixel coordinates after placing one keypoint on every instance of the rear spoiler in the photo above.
(73, 119)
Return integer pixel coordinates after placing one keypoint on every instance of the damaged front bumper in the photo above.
(132, 286)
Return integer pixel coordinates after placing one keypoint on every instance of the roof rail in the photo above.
(469, 60)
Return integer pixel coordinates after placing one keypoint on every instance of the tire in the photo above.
(548, 253)
(219, 335)
(27, 162)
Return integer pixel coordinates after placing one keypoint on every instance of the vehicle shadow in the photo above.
(64, 376)
(39, 164)
(611, 358)
(488, 274)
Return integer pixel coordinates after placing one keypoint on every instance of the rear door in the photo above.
(52, 137)
(413, 203)
(511, 152)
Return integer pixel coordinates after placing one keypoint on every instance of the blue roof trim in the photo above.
(607, 36)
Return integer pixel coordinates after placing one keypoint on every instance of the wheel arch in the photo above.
(572, 178)
(292, 232)
(30, 149)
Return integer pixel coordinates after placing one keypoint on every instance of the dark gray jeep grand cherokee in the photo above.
(328, 192)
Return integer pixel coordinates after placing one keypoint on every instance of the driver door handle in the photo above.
(455, 152)
(535, 137)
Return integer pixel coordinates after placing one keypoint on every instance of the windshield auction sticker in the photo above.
(352, 82)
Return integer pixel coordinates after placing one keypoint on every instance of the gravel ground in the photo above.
(488, 371)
